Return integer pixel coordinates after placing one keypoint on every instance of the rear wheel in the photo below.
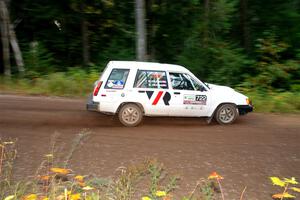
(226, 114)
(130, 115)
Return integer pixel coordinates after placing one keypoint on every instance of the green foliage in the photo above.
(270, 71)
(275, 101)
(75, 82)
(208, 53)
(38, 60)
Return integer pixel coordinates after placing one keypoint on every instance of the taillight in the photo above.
(97, 88)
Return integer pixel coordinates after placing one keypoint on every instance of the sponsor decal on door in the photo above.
(194, 99)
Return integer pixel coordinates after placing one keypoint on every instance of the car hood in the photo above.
(225, 91)
(219, 88)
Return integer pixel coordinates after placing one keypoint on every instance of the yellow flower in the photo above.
(146, 198)
(75, 196)
(215, 175)
(282, 195)
(291, 181)
(79, 178)
(10, 197)
(277, 181)
(86, 188)
(60, 170)
(30, 197)
(49, 155)
(296, 189)
(160, 193)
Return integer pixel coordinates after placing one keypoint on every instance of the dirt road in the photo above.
(246, 153)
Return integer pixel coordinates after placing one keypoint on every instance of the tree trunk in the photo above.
(244, 24)
(206, 21)
(85, 42)
(16, 49)
(5, 37)
(141, 44)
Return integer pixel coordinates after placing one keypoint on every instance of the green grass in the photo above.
(278, 102)
(72, 83)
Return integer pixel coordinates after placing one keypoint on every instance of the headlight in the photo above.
(248, 101)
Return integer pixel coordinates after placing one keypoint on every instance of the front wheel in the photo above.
(226, 114)
(130, 115)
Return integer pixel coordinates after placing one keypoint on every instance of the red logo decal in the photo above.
(157, 98)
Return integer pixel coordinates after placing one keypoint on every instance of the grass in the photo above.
(275, 102)
(72, 83)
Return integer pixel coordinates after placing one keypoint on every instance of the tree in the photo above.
(8, 36)
(5, 37)
(141, 43)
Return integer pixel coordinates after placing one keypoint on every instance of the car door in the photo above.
(189, 97)
(151, 89)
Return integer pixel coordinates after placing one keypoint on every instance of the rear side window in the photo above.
(117, 79)
(151, 79)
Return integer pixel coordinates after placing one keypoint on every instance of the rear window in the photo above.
(117, 79)
(151, 79)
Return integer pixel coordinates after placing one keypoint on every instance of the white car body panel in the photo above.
(154, 102)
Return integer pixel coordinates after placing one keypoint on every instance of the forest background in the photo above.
(253, 46)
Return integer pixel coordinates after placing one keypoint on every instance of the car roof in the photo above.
(147, 66)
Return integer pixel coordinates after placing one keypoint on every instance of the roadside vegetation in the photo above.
(270, 81)
(149, 180)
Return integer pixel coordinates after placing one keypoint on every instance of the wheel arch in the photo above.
(130, 102)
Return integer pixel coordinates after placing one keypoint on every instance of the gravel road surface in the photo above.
(246, 153)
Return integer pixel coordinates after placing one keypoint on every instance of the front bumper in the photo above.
(244, 109)
(91, 105)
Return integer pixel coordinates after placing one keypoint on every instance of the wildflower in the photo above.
(277, 181)
(49, 155)
(282, 195)
(60, 170)
(86, 188)
(160, 193)
(146, 198)
(215, 175)
(75, 196)
(291, 181)
(79, 178)
(10, 197)
(167, 197)
(30, 197)
(296, 189)
(44, 177)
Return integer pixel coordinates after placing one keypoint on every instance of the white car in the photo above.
(136, 89)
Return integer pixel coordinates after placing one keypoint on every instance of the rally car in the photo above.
(132, 90)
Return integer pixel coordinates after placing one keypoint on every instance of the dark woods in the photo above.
(253, 43)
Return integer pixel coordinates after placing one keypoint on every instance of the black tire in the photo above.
(130, 115)
(226, 114)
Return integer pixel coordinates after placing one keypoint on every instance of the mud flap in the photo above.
(91, 105)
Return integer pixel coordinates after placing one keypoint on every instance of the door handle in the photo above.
(141, 91)
(176, 92)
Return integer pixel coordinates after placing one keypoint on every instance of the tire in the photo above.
(130, 115)
(226, 114)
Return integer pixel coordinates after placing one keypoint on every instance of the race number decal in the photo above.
(194, 99)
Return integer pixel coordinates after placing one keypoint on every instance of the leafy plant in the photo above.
(285, 184)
